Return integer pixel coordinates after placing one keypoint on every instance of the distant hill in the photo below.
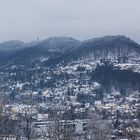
(50, 48)
(67, 49)
(90, 69)
(108, 47)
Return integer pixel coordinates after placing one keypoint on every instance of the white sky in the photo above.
(82, 19)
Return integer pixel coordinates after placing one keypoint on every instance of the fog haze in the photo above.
(82, 19)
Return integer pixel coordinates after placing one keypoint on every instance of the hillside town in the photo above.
(71, 94)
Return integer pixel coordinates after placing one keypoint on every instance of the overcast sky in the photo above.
(82, 19)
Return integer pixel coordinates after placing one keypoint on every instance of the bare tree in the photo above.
(26, 116)
(55, 127)
(131, 130)
(97, 129)
(6, 124)
(59, 128)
